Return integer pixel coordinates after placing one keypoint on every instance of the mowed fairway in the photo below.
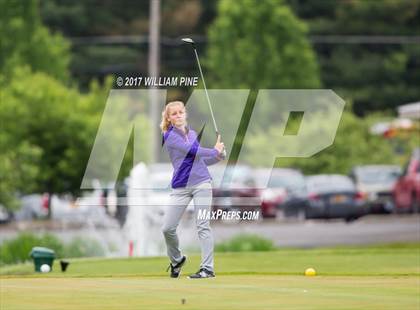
(381, 277)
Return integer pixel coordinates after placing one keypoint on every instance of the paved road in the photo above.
(314, 233)
(311, 233)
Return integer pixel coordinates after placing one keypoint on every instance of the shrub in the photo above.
(245, 243)
(17, 250)
(82, 247)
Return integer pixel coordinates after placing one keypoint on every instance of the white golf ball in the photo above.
(45, 268)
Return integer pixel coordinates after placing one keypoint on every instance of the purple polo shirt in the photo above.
(188, 158)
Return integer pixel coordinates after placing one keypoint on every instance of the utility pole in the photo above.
(153, 64)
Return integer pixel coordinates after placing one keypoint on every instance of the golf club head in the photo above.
(188, 40)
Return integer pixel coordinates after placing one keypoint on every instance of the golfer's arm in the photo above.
(178, 143)
(211, 160)
(206, 152)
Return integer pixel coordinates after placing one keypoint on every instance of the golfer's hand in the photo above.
(219, 146)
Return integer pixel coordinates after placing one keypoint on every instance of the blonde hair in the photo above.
(164, 124)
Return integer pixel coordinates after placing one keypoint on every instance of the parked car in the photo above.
(284, 194)
(407, 188)
(234, 188)
(376, 183)
(334, 196)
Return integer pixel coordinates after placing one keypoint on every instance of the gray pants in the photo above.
(179, 200)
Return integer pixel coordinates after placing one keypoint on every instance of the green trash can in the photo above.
(42, 256)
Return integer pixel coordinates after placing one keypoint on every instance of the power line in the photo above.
(129, 39)
(364, 39)
(315, 39)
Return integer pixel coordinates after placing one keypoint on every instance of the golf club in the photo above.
(191, 42)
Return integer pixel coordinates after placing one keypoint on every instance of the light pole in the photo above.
(153, 66)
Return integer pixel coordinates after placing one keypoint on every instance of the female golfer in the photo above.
(191, 180)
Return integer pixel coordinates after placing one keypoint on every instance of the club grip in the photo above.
(223, 153)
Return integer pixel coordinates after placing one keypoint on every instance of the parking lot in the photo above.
(315, 233)
(284, 233)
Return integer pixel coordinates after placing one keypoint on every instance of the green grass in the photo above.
(375, 277)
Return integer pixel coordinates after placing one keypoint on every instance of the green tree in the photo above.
(25, 41)
(59, 122)
(353, 145)
(18, 170)
(48, 131)
(259, 44)
(376, 76)
(47, 126)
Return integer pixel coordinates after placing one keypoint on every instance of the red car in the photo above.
(285, 193)
(407, 189)
(234, 188)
